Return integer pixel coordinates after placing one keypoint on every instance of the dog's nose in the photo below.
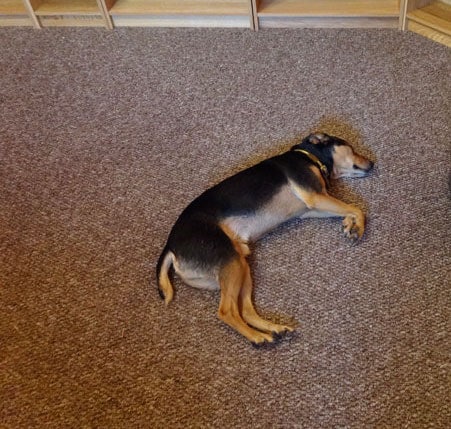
(370, 165)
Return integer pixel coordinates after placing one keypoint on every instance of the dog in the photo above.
(208, 245)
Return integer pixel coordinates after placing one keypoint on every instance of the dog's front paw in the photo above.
(353, 227)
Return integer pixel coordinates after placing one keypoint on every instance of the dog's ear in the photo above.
(318, 138)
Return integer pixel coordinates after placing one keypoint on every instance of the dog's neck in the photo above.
(315, 160)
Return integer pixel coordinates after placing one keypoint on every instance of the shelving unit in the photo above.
(176, 13)
(77, 13)
(431, 19)
(14, 13)
(327, 13)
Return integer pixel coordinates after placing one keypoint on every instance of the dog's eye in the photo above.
(356, 167)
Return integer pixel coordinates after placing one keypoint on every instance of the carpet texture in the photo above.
(106, 136)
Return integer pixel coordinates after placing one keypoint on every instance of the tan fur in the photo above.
(165, 284)
(236, 308)
(344, 159)
(249, 313)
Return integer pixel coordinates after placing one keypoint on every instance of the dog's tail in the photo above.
(165, 288)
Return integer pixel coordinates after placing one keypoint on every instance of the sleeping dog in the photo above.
(209, 242)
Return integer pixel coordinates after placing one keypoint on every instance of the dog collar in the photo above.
(322, 168)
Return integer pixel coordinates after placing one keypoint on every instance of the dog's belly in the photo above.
(282, 207)
(196, 276)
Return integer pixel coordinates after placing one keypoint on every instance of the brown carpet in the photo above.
(106, 136)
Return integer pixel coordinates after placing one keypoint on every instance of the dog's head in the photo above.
(337, 155)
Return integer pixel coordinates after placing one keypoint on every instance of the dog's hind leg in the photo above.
(231, 280)
(249, 313)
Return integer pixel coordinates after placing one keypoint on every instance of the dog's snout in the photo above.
(362, 168)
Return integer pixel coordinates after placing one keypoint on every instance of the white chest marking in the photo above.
(283, 206)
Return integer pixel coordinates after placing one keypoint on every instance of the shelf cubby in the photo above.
(14, 13)
(176, 13)
(431, 19)
(327, 13)
(78, 13)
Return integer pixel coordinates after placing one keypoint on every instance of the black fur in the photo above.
(196, 237)
(321, 147)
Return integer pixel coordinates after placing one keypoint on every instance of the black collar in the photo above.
(322, 168)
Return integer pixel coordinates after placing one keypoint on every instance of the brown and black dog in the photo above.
(209, 242)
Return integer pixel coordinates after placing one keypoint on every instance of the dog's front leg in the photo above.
(324, 205)
(354, 220)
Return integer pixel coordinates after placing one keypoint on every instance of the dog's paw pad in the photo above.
(353, 235)
(283, 330)
(351, 229)
(280, 335)
(265, 345)
(261, 344)
(262, 338)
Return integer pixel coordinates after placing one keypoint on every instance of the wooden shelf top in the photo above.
(329, 8)
(438, 9)
(430, 33)
(68, 7)
(180, 7)
(437, 16)
(12, 7)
